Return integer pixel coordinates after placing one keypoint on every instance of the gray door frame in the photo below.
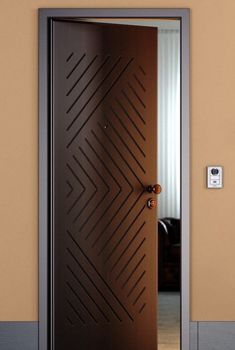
(44, 153)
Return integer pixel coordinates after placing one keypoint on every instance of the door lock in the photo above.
(151, 203)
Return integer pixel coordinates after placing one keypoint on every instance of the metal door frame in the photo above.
(45, 15)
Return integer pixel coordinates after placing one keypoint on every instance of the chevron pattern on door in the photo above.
(103, 281)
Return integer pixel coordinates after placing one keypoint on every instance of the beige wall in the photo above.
(212, 140)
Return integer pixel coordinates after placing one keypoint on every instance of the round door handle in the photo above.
(154, 189)
(151, 203)
(157, 189)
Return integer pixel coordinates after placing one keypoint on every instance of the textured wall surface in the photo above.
(19, 335)
(212, 335)
(212, 141)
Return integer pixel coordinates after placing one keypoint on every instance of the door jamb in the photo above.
(44, 153)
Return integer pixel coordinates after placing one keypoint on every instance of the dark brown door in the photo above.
(104, 156)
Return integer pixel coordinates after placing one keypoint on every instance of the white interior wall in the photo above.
(169, 122)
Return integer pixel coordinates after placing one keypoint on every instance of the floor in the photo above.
(168, 321)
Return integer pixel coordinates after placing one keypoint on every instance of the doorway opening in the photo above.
(169, 206)
(172, 140)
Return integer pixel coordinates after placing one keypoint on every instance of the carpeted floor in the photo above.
(169, 321)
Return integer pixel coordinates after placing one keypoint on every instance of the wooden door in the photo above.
(104, 264)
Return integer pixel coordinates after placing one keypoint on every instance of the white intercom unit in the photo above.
(214, 176)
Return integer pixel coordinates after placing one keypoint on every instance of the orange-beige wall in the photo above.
(212, 142)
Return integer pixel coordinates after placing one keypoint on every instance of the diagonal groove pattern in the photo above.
(100, 101)
(127, 131)
(75, 175)
(142, 308)
(121, 155)
(88, 293)
(129, 117)
(142, 69)
(76, 65)
(102, 179)
(104, 213)
(124, 235)
(130, 259)
(90, 81)
(69, 57)
(133, 271)
(109, 155)
(130, 242)
(136, 283)
(80, 195)
(77, 81)
(138, 296)
(103, 128)
(113, 200)
(70, 189)
(81, 302)
(111, 220)
(94, 285)
(126, 198)
(92, 195)
(133, 106)
(70, 321)
(95, 169)
(93, 94)
(76, 312)
(125, 144)
(75, 202)
(102, 162)
(136, 94)
(99, 275)
(120, 223)
(139, 82)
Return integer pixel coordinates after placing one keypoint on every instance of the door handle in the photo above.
(154, 189)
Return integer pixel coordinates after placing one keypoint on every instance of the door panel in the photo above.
(104, 156)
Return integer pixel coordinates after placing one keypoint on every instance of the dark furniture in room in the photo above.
(169, 249)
